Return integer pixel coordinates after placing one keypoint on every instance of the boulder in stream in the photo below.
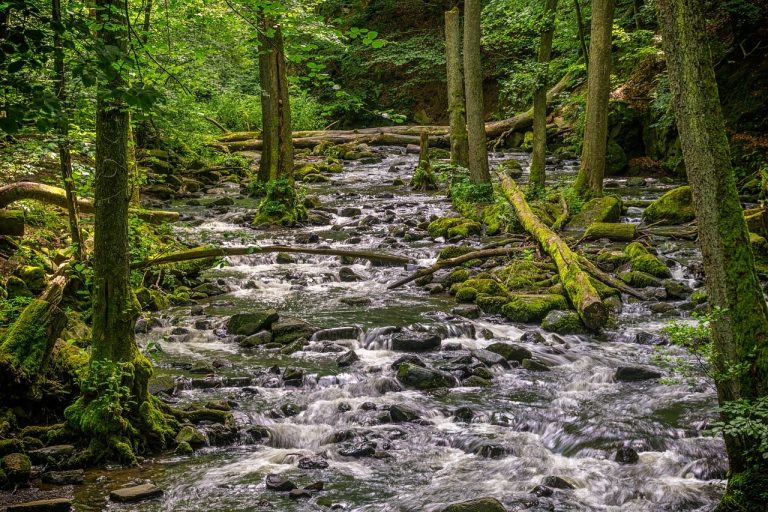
(635, 374)
(424, 378)
(410, 341)
(510, 351)
(246, 324)
(288, 330)
(476, 505)
(136, 493)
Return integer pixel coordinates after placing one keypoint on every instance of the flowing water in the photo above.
(567, 422)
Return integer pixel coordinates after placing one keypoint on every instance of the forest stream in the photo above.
(536, 440)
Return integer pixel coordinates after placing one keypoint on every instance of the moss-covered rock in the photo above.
(34, 277)
(484, 285)
(459, 275)
(524, 275)
(191, 436)
(612, 259)
(476, 505)
(599, 209)
(246, 324)
(532, 308)
(454, 227)
(16, 287)
(511, 167)
(417, 377)
(563, 322)
(674, 207)
(12, 445)
(615, 231)
(466, 294)
(491, 304)
(184, 448)
(639, 279)
(454, 251)
(642, 260)
(17, 468)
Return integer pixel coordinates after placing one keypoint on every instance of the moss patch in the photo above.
(532, 308)
(674, 207)
(599, 209)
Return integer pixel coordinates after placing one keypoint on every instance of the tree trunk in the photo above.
(581, 32)
(473, 85)
(119, 421)
(581, 292)
(539, 156)
(455, 78)
(285, 140)
(741, 332)
(270, 108)
(589, 182)
(133, 168)
(62, 131)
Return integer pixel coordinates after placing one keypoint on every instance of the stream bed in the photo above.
(376, 447)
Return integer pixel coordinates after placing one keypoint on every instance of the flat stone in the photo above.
(51, 505)
(71, 477)
(51, 453)
(415, 341)
(136, 493)
(510, 351)
(276, 483)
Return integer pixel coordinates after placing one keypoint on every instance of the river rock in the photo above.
(357, 450)
(402, 414)
(17, 468)
(246, 324)
(386, 385)
(284, 258)
(535, 366)
(312, 463)
(626, 455)
(350, 212)
(410, 341)
(352, 332)
(255, 340)
(296, 494)
(347, 275)
(288, 330)
(356, 301)
(532, 337)
(136, 493)
(277, 483)
(489, 358)
(510, 351)
(347, 359)
(191, 435)
(464, 414)
(11, 445)
(563, 322)
(676, 290)
(293, 377)
(412, 376)
(635, 374)
(476, 505)
(49, 505)
(467, 311)
(51, 454)
(556, 482)
(71, 477)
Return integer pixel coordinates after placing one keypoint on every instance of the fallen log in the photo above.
(216, 252)
(23, 190)
(582, 294)
(374, 139)
(609, 280)
(614, 231)
(458, 260)
(26, 347)
(12, 222)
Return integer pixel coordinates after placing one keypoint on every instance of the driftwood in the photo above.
(56, 196)
(583, 295)
(215, 252)
(474, 255)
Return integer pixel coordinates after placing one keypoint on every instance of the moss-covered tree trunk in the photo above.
(285, 136)
(115, 409)
(62, 131)
(581, 32)
(740, 334)
(539, 156)
(455, 79)
(270, 108)
(589, 182)
(473, 88)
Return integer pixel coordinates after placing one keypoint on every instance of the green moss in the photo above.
(674, 207)
(191, 436)
(465, 230)
(184, 448)
(15, 287)
(281, 204)
(747, 491)
(466, 294)
(613, 258)
(454, 251)
(650, 264)
(621, 232)
(639, 279)
(440, 227)
(423, 178)
(491, 303)
(636, 249)
(212, 415)
(563, 322)
(10, 446)
(34, 277)
(599, 209)
(525, 275)
(532, 308)
(459, 275)
(486, 286)
(699, 296)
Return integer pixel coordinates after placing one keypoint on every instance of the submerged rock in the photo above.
(347, 359)
(49, 505)
(626, 455)
(277, 483)
(71, 477)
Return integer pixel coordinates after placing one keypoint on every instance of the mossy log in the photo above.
(215, 252)
(615, 231)
(453, 262)
(57, 196)
(608, 279)
(583, 295)
(375, 139)
(12, 222)
(26, 347)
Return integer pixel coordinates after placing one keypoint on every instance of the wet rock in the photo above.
(312, 463)
(563, 322)
(535, 366)
(491, 450)
(482, 372)
(556, 482)
(347, 275)
(221, 435)
(358, 450)
(352, 332)
(386, 385)
(246, 324)
(142, 326)
(136, 493)
(489, 358)
(277, 483)
(350, 212)
(355, 301)
(412, 376)
(510, 351)
(294, 347)
(184, 449)
(293, 377)
(297, 494)
(676, 290)
(409, 341)
(17, 468)
(209, 289)
(635, 374)
(402, 414)
(255, 340)
(648, 338)
(52, 454)
(71, 477)
(434, 288)
(344, 407)
(49, 505)
(532, 337)
(288, 330)
(476, 505)
(290, 410)
(542, 491)
(368, 406)
(347, 359)
(473, 381)
(192, 436)
(222, 201)
(202, 324)
(464, 414)
(452, 347)
(202, 368)
(467, 311)
(11, 445)
(661, 308)
(284, 258)
(626, 455)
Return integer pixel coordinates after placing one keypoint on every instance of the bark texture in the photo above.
(589, 182)
(455, 79)
(581, 292)
(473, 88)
(539, 156)
(740, 334)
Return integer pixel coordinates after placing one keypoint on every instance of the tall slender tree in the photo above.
(115, 409)
(740, 333)
(539, 156)
(455, 79)
(589, 182)
(581, 32)
(473, 88)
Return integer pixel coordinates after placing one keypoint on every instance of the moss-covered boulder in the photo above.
(246, 324)
(454, 227)
(614, 231)
(34, 277)
(511, 167)
(192, 436)
(524, 275)
(599, 209)
(287, 330)
(674, 207)
(152, 300)
(510, 351)
(643, 260)
(639, 279)
(459, 275)
(532, 308)
(612, 259)
(563, 322)
(454, 251)
(16, 287)
(17, 468)
(417, 377)
(12, 445)
(491, 304)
